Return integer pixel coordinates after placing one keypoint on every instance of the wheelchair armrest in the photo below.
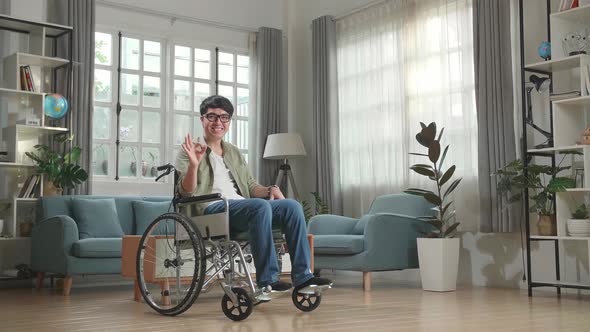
(200, 199)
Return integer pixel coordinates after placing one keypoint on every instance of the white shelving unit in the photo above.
(570, 118)
(15, 104)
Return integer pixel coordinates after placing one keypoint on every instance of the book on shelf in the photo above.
(568, 4)
(26, 79)
(564, 95)
(30, 186)
(24, 187)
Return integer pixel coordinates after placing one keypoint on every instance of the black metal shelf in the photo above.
(526, 154)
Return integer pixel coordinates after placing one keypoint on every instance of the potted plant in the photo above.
(579, 223)
(320, 207)
(60, 172)
(512, 183)
(438, 252)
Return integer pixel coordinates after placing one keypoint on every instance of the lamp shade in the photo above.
(283, 146)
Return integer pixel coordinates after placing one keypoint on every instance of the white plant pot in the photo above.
(439, 263)
(578, 227)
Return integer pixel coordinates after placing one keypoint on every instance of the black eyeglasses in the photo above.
(212, 117)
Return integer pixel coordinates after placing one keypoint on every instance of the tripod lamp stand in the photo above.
(541, 85)
(284, 147)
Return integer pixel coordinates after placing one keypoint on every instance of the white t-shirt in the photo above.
(222, 181)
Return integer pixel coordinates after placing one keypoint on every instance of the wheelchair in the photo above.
(181, 254)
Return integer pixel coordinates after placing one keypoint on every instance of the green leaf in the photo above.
(447, 175)
(560, 184)
(451, 229)
(418, 154)
(444, 155)
(440, 135)
(452, 187)
(435, 222)
(434, 151)
(432, 198)
(422, 170)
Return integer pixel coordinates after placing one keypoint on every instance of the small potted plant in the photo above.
(438, 253)
(100, 148)
(60, 172)
(543, 184)
(579, 224)
(154, 168)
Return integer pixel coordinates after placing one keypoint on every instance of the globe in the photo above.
(56, 106)
(545, 50)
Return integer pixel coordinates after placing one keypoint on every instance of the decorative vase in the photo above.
(49, 189)
(1, 226)
(547, 225)
(105, 166)
(25, 229)
(154, 171)
(439, 263)
(133, 168)
(578, 227)
(144, 168)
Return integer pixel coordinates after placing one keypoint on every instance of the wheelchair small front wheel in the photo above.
(306, 302)
(237, 311)
(170, 264)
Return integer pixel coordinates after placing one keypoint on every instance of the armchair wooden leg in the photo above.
(40, 277)
(67, 285)
(136, 292)
(367, 281)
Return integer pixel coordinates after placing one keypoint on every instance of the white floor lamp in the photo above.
(284, 146)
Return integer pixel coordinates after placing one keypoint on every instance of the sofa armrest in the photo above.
(329, 224)
(390, 241)
(51, 242)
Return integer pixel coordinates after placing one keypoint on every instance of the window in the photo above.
(159, 109)
(143, 117)
(194, 80)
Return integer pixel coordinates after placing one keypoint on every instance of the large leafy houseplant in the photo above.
(60, 170)
(512, 182)
(443, 220)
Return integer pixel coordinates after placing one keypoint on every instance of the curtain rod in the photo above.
(174, 17)
(358, 9)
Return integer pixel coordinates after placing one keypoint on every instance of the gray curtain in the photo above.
(80, 14)
(495, 110)
(271, 114)
(325, 112)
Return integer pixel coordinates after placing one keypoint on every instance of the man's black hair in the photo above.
(217, 102)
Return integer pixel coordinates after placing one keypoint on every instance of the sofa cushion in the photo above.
(145, 212)
(338, 244)
(98, 248)
(96, 218)
(359, 228)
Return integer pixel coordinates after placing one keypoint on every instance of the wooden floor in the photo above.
(388, 307)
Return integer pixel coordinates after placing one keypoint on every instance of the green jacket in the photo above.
(234, 161)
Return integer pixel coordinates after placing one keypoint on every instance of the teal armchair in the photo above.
(382, 240)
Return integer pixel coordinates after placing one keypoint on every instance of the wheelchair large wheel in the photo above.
(237, 311)
(170, 264)
(306, 302)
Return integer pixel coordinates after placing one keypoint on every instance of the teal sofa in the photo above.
(59, 247)
(382, 240)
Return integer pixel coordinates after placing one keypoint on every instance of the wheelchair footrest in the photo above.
(267, 296)
(314, 289)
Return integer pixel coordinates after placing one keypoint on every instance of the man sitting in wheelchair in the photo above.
(216, 166)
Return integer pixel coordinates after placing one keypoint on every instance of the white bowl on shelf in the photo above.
(578, 227)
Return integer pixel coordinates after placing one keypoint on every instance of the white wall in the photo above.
(251, 13)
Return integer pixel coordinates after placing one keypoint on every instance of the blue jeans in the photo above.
(257, 216)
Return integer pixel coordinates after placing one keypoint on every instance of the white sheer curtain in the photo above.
(400, 63)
